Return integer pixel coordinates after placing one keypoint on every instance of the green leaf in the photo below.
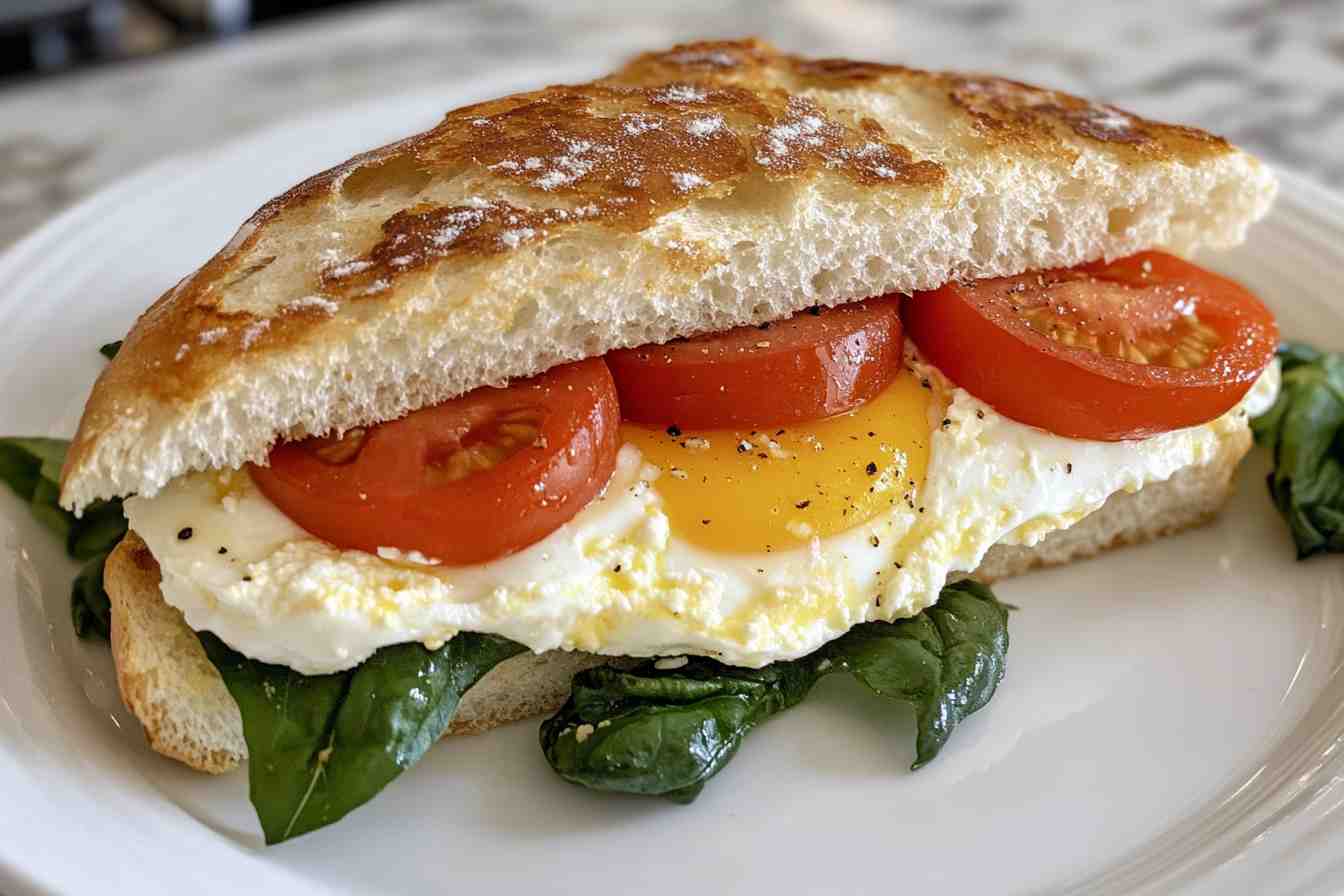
(98, 531)
(947, 661)
(90, 608)
(26, 462)
(1295, 354)
(1305, 431)
(322, 745)
(667, 731)
(46, 507)
(664, 732)
(32, 468)
(19, 469)
(109, 349)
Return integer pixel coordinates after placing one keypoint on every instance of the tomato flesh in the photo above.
(1124, 350)
(816, 364)
(466, 481)
(1112, 351)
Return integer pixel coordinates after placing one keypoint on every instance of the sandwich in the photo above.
(649, 401)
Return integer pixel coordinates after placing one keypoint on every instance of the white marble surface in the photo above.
(1267, 75)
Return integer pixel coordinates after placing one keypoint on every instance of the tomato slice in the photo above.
(1124, 350)
(466, 481)
(815, 364)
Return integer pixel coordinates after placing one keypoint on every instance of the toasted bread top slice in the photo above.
(711, 185)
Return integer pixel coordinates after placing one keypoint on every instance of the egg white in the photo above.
(615, 580)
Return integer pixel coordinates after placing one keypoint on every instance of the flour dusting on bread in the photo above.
(696, 189)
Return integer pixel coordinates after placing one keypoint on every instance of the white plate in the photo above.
(1169, 719)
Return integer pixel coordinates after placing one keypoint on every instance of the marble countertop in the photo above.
(1269, 76)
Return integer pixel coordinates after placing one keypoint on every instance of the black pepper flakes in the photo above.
(247, 578)
(874, 541)
(1068, 468)
(704, 522)
(674, 430)
(802, 505)
(616, 568)
(947, 421)
(184, 534)
(223, 550)
(815, 311)
(925, 383)
(871, 469)
(979, 414)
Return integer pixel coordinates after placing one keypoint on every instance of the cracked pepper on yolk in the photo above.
(773, 489)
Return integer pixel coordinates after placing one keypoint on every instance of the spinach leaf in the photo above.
(90, 607)
(321, 745)
(1305, 431)
(666, 731)
(32, 468)
(663, 732)
(98, 531)
(947, 661)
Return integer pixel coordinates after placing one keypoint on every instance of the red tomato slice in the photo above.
(1124, 350)
(815, 364)
(462, 482)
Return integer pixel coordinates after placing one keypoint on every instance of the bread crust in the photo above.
(187, 713)
(165, 678)
(169, 684)
(706, 186)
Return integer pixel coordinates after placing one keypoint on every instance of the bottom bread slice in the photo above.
(167, 681)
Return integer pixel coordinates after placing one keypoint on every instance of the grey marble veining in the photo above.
(1270, 76)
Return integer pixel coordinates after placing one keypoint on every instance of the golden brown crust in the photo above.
(617, 154)
(1003, 110)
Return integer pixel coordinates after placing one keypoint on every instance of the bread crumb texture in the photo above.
(696, 189)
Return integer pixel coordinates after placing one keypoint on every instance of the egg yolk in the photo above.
(774, 489)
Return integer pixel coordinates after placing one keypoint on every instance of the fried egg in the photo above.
(748, 547)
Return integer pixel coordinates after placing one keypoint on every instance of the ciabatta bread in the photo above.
(696, 189)
(169, 684)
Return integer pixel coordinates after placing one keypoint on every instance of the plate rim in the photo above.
(1302, 194)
